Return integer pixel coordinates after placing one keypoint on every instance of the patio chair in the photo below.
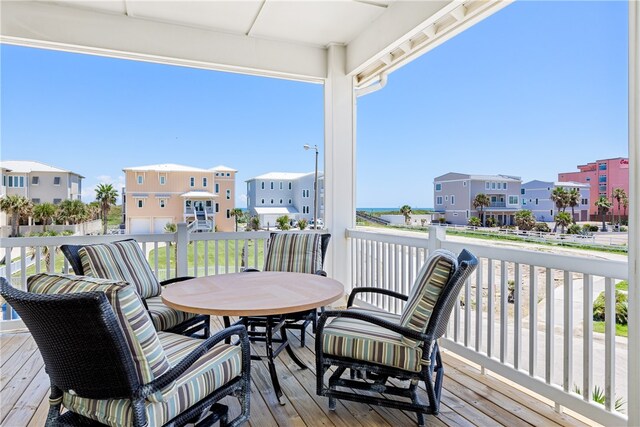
(124, 260)
(377, 346)
(108, 366)
(298, 253)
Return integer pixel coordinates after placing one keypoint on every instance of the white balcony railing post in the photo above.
(436, 236)
(182, 244)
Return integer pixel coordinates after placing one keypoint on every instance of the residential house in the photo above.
(156, 195)
(3, 192)
(274, 194)
(603, 176)
(536, 197)
(454, 193)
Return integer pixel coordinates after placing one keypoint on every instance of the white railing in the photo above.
(546, 345)
(170, 255)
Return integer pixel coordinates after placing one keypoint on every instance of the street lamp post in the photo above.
(315, 187)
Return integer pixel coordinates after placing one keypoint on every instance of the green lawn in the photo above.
(31, 270)
(223, 254)
(621, 330)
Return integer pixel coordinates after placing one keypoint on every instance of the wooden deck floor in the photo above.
(469, 398)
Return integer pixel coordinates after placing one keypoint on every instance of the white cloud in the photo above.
(89, 187)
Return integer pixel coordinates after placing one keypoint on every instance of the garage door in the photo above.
(159, 223)
(139, 226)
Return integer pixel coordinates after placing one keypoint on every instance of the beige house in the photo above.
(156, 195)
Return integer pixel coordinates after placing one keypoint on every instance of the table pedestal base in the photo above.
(270, 325)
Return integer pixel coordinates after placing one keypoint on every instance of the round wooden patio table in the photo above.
(271, 294)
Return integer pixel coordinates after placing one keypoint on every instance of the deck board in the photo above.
(469, 398)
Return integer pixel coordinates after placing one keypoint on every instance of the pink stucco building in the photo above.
(603, 176)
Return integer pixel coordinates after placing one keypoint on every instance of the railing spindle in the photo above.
(533, 320)
(568, 331)
(587, 336)
(610, 343)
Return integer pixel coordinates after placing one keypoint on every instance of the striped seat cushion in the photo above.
(294, 252)
(165, 317)
(123, 261)
(360, 340)
(426, 290)
(149, 358)
(213, 370)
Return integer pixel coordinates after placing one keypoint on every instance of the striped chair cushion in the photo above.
(213, 370)
(360, 340)
(165, 317)
(294, 252)
(149, 358)
(120, 261)
(432, 278)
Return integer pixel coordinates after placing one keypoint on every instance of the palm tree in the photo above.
(480, 202)
(625, 205)
(44, 212)
(603, 204)
(563, 219)
(405, 210)
(619, 195)
(106, 195)
(236, 213)
(16, 206)
(573, 199)
(560, 197)
(525, 220)
(71, 211)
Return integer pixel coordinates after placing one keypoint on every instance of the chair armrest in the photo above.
(175, 279)
(321, 273)
(409, 333)
(250, 270)
(375, 290)
(175, 372)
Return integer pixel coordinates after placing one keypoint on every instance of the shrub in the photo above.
(475, 221)
(590, 227)
(283, 222)
(574, 229)
(542, 226)
(525, 220)
(441, 220)
(490, 222)
(622, 304)
(302, 224)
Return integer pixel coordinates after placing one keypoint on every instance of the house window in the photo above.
(140, 179)
(438, 187)
(281, 185)
(218, 188)
(536, 201)
(289, 201)
(289, 186)
(163, 180)
(56, 180)
(57, 201)
(585, 201)
(487, 185)
(262, 185)
(588, 179)
(602, 166)
(216, 173)
(228, 213)
(35, 180)
(603, 188)
(602, 178)
(446, 198)
(228, 194)
(35, 201)
(305, 193)
(522, 191)
(192, 181)
(280, 201)
(513, 200)
(163, 203)
(262, 201)
(453, 199)
(504, 185)
(140, 203)
(208, 203)
(187, 204)
(272, 185)
(551, 212)
(217, 207)
(464, 183)
(228, 174)
(439, 200)
(524, 202)
(493, 185)
(204, 181)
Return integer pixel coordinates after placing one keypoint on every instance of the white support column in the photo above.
(633, 380)
(339, 163)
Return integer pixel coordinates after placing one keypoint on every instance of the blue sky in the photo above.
(534, 90)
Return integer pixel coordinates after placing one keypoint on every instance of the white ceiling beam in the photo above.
(64, 28)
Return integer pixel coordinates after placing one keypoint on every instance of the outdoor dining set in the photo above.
(124, 349)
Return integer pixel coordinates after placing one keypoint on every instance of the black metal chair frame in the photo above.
(373, 377)
(299, 320)
(189, 327)
(85, 352)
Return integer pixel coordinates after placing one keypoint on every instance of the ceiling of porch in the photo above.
(280, 38)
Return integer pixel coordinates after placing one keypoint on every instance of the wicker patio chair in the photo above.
(124, 260)
(377, 346)
(298, 253)
(108, 366)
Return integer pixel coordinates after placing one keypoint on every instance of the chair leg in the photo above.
(139, 413)
(55, 403)
(303, 333)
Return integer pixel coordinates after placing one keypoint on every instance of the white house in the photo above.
(536, 197)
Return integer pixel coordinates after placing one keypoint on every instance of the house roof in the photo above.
(165, 167)
(198, 195)
(223, 168)
(279, 210)
(28, 166)
(285, 175)
(456, 176)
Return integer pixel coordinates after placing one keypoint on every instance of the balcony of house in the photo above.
(499, 369)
